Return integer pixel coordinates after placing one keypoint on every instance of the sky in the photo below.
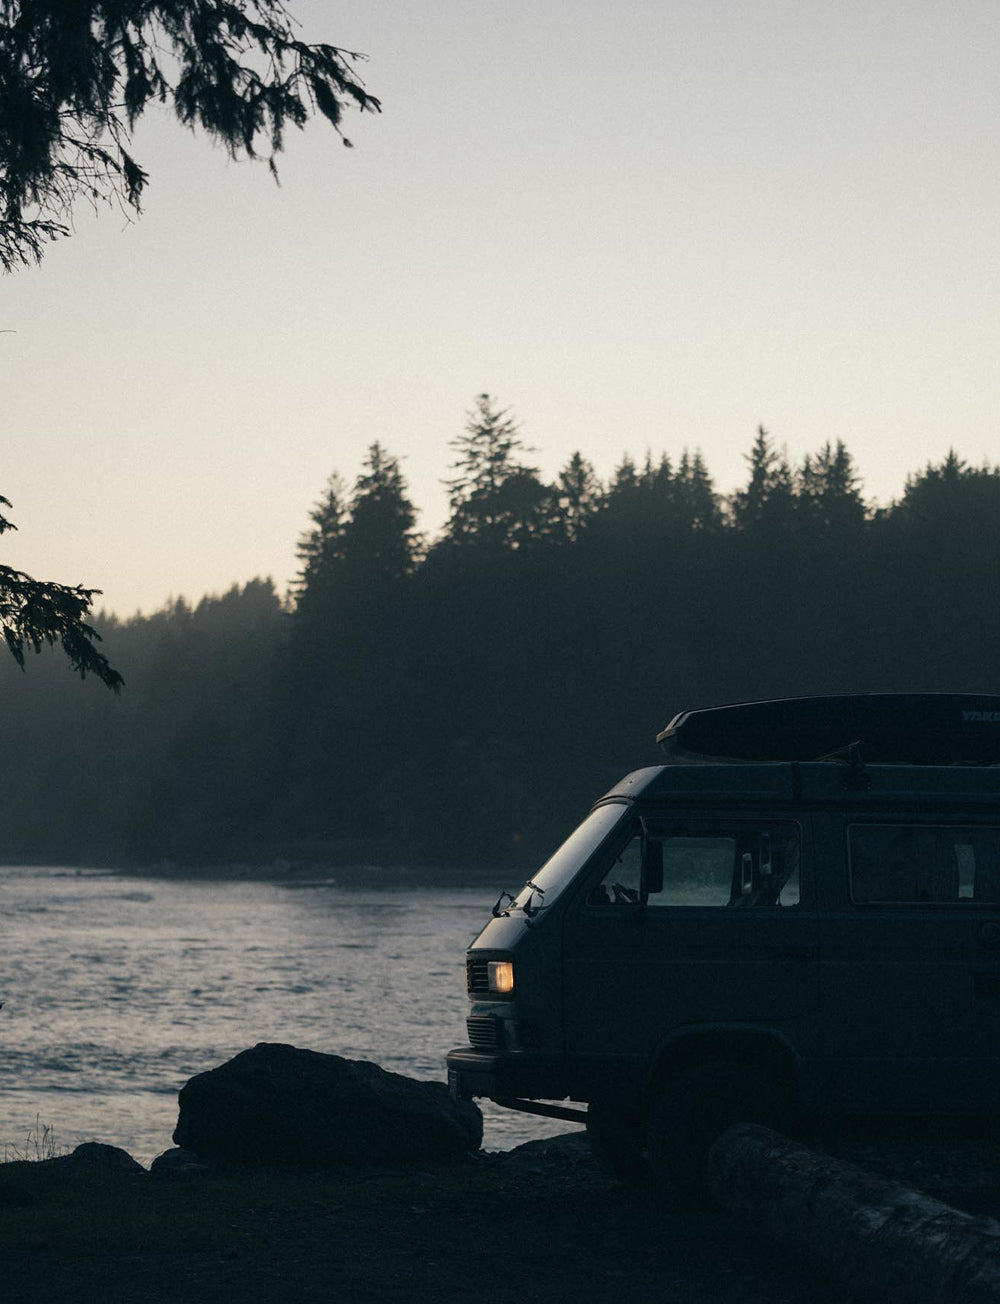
(653, 224)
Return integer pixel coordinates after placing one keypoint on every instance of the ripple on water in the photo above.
(160, 995)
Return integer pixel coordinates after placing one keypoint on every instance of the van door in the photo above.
(729, 937)
(910, 965)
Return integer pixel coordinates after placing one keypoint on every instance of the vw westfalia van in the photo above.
(795, 920)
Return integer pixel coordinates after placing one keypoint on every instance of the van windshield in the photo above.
(563, 866)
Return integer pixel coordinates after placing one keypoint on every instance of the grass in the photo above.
(94, 1214)
(44, 1209)
(39, 1144)
(45, 1206)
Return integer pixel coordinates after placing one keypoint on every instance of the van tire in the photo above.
(617, 1140)
(696, 1107)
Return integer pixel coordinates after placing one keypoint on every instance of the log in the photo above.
(886, 1242)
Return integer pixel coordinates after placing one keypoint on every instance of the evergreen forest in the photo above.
(462, 699)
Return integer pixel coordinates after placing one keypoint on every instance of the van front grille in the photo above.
(476, 975)
(485, 1032)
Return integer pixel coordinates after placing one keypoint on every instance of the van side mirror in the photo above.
(652, 867)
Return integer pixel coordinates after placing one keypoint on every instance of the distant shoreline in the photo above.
(347, 875)
(299, 874)
(353, 861)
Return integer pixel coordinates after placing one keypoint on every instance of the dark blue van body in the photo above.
(795, 939)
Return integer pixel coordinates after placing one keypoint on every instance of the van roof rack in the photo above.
(893, 728)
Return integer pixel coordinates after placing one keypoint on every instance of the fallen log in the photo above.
(885, 1241)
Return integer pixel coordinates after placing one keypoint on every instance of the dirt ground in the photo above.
(540, 1224)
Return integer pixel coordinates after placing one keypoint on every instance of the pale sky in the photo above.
(647, 224)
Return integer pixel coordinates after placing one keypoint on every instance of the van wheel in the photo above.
(696, 1107)
(617, 1139)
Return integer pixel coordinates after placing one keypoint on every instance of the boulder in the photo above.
(93, 1158)
(567, 1150)
(178, 1165)
(280, 1104)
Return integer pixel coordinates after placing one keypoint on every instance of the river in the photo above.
(116, 990)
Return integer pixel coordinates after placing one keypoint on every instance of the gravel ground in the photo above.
(539, 1224)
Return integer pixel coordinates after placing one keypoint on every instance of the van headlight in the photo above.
(500, 976)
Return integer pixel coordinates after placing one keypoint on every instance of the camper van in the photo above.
(794, 920)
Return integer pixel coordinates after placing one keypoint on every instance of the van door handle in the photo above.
(793, 953)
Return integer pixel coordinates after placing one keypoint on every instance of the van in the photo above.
(794, 920)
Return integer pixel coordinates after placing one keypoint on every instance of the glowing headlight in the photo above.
(500, 976)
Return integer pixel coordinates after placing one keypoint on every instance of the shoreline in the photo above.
(348, 874)
(351, 874)
(538, 1225)
(541, 1227)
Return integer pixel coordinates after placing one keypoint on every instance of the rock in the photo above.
(177, 1164)
(568, 1148)
(561, 1166)
(95, 1159)
(280, 1104)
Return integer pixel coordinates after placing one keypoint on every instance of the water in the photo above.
(117, 990)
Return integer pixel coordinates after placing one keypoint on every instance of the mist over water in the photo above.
(117, 990)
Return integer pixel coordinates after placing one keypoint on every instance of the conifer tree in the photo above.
(938, 490)
(76, 76)
(658, 478)
(694, 492)
(578, 497)
(951, 505)
(379, 540)
(657, 502)
(829, 491)
(768, 500)
(321, 548)
(639, 508)
(624, 480)
(496, 499)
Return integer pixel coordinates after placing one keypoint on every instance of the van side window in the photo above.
(620, 885)
(920, 864)
(697, 871)
(731, 868)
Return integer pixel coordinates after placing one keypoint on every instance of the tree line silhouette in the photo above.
(463, 699)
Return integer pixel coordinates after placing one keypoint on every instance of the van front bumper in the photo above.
(498, 1076)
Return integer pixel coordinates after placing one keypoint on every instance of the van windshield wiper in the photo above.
(529, 908)
(500, 911)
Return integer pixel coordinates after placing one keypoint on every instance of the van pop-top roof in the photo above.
(893, 728)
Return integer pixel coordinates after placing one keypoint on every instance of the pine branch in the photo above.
(35, 613)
